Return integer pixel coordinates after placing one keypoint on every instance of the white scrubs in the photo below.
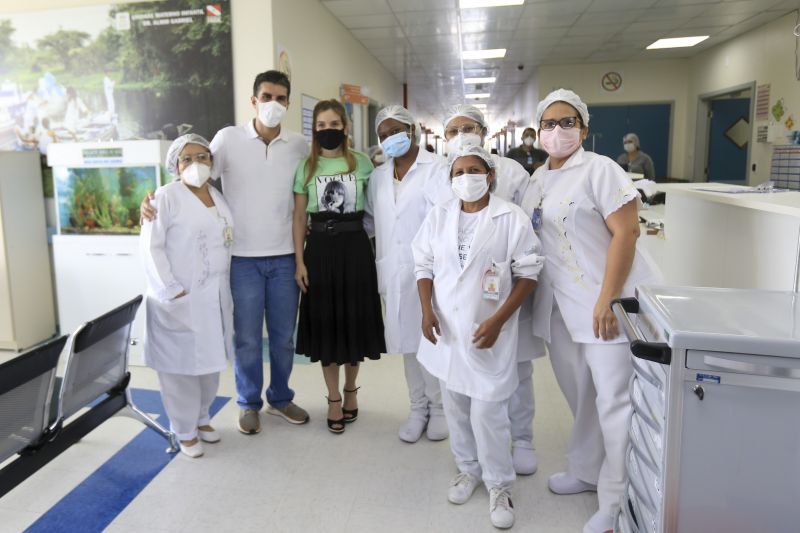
(395, 211)
(512, 183)
(478, 382)
(593, 374)
(188, 339)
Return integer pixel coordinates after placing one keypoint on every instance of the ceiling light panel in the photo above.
(677, 42)
(483, 54)
(480, 80)
(469, 4)
(477, 96)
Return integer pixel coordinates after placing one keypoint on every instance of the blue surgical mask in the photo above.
(397, 145)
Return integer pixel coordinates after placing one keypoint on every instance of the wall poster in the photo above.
(150, 70)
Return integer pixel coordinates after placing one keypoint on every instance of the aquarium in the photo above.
(102, 200)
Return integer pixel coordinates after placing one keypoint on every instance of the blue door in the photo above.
(727, 160)
(651, 122)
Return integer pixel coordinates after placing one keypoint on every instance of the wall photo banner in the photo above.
(151, 70)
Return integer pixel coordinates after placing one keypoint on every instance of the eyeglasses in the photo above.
(203, 157)
(565, 123)
(464, 128)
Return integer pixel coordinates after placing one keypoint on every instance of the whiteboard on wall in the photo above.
(307, 104)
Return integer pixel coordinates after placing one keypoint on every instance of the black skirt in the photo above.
(340, 316)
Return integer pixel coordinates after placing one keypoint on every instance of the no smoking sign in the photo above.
(612, 81)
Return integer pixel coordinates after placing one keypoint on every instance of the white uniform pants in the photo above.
(424, 390)
(480, 438)
(187, 400)
(522, 407)
(594, 378)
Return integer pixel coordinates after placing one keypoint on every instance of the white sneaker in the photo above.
(525, 461)
(437, 427)
(412, 429)
(461, 488)
(563, 483)
(600, 522)
(501, 510)
(208, 436)
(194, 451)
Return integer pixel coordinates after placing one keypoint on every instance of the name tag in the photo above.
(536, 219)
(491, 284)
(227, 235)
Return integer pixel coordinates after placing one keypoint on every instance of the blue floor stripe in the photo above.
(96, 502)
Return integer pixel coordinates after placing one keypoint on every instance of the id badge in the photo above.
(227, 235)
(491, 284)
(536, 219)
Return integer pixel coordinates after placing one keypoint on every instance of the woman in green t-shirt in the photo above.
(340, 311)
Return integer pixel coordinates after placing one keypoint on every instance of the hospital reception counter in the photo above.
(713, 238)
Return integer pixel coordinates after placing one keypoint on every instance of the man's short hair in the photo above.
(272, 76)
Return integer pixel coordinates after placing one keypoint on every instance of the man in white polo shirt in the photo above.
(256, 163)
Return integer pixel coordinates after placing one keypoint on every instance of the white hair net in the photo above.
(632, 137)
(395, 111)
(467, 151)
(178, 145)
(400, 114)
(465, 110)
(566, 96)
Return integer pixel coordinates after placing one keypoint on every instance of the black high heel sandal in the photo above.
(350, 415)
(340, 422)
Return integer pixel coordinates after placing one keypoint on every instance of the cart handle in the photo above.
(658, 352)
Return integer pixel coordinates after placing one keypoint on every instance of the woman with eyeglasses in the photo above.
(585, 210)
(340, 321)
(187, 256)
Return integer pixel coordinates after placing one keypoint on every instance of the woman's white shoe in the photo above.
(208, 436)
(194, 451)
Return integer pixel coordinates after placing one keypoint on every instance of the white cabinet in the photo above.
(94, 274)
(99, 187)
(26, 291)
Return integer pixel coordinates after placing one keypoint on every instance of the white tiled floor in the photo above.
(305, 479)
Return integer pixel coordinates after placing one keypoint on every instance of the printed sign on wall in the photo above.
(115, 72)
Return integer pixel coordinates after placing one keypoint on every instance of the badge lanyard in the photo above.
(536, 217)
(227, 231)
(491, 284)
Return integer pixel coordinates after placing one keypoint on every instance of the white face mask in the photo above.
(462, 140)
(528, 141)
(196, 174)
(629, 147)
(470, 187)
(271, 113)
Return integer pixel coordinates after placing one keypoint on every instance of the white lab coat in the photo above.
(184, 250)
(396, 221)
(512, 183)
(503, 236)
(578, 198)
(512, 179)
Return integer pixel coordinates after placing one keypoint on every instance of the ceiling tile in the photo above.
(349, 8)
(611, 5)
(559, 12)
(399, 6)
(368, 21)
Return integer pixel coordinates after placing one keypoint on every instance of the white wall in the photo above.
(764, 55)
(657, 81)
(323, 55)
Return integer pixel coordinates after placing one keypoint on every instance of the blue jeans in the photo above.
(264, 285)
